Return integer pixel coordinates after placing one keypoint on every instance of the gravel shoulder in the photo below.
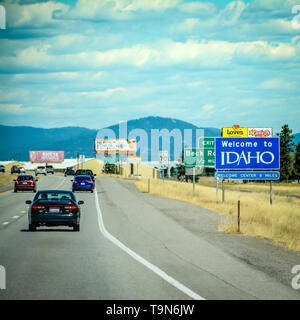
(261, 254)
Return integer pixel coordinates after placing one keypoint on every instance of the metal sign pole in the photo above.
(223, 191)
(271, 193)
(239, 210)
(217, 188)
(194, 179)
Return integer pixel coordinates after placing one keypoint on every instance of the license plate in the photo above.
(54, 210)
(83, 184)
(24, 182)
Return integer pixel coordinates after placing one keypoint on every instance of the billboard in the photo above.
(235, 131)
(46, 156)
(115, 146)
(247, 153)
(260, 132)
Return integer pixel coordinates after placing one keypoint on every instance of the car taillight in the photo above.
(37, 207)
(90, 182)
(73, 207)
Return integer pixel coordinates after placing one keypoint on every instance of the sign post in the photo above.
(271, 193)
(239, 209)
(223, 191)
(194, 173)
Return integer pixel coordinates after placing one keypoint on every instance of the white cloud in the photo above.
(33, 15)
(208, 107)
(278, 84)
(102, 94)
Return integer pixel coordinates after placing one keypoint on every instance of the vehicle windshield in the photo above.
(62, 196)
(41, 167)
(25, 178)
(49, 167)
(83, 178)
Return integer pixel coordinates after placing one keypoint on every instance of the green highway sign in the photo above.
(193, 157)
(207, 145)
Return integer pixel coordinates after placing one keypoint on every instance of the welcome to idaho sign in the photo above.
(247, 153)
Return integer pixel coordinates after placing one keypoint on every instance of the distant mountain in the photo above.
(16, 142)
(296, 138)
(149, 123)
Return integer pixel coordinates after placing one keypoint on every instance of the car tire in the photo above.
(73, 190)
(32, 227)
(34, 190)
(76, 227)
(92, 191)
(15, 190)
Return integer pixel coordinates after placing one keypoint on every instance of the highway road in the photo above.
(129, 247)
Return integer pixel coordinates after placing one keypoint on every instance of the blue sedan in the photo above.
(84, 183)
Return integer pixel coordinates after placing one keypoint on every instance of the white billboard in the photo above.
(115, 146)
(260, 132)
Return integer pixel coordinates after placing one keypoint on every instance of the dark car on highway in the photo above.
(2, 168)
(25, 182)
(85, 172)
(15, 169)
(83, 183)
(54, 208)
(69, 172)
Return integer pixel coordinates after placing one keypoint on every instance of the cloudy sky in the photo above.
(93, 63)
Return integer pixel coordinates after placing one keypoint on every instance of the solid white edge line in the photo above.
(140, 259)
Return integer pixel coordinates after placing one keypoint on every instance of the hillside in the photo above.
(17, 141)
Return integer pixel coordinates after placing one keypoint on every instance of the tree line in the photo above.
(289, 154)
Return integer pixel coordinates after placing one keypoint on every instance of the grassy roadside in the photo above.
(7, 179)
(279, 222)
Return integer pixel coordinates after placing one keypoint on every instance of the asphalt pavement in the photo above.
(128, 247)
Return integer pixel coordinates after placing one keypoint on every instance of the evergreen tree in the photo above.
(297, 162)
(286, 148)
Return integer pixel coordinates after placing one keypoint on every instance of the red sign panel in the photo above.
(46, 156)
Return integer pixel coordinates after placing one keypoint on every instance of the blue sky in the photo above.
(94, 63)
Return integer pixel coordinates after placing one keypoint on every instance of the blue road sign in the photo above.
(239, 175)
(247, 154)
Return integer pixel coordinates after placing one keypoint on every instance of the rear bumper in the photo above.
(88, 188)
(54, 220)
(24, 187)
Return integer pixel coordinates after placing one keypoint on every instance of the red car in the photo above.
(25, 182)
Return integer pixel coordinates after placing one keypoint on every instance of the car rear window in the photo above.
(84, 172)
(85, 178)
(54, 196)
(41, 167)
(25, 178)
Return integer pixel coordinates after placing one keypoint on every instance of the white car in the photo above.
(22, 169)
(41, 170)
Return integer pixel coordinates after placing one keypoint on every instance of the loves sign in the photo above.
(247, 153)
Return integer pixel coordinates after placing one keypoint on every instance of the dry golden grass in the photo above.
(7, 179)
(279, 222)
